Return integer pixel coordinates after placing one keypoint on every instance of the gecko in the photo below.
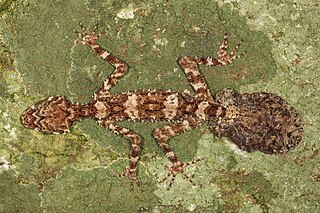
(257, 121)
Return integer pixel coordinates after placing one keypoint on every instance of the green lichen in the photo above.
(16, 196)
(95, 190)
(78, 171)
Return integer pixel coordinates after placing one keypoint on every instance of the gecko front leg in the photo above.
(120, 67)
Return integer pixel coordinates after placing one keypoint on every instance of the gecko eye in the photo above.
(52, 115)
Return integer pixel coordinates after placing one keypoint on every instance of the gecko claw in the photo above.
(133, 177)
(86, 37)
(223, 57)
(178, 168)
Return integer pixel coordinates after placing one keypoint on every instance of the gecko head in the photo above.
(52, 115)
(258, 122)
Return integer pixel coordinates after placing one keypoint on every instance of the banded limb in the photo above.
(163, 134)
(194, 76)
(135, 139)
(120, 67)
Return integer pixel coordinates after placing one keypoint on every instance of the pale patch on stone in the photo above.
(5, 165)
(8, 128)
(126, 13)
(192, 207)
(183, 44)
(159, 42)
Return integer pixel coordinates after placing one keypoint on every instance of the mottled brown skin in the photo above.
(257, 121)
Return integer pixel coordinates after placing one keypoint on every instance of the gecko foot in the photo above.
(86, 37)
(223, 57)
(132, 175)
(178, 167)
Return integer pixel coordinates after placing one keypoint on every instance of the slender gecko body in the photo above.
(255, 122)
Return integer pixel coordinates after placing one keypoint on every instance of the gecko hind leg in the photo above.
(190, 67)
(179, 168)
(120, 67)
(163, 134)
(130, 171)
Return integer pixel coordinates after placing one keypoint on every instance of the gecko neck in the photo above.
(79, 111)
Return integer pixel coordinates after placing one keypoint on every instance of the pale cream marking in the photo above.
(135, 147)
(104, 55)
(169, 129)
(219, 111)
(199, 85)
(118, 74)
(186, 125)
(222, 62)
(133, 170)
(72, 114)
(163, 145)
(113, 128)
(43, 123)
(177, 164)
(106, 84)
(131, 107)
(171, 104)
(118, 64)
(95, 96)
(209, 61)
(188, 70)
(232, 112)
(151, 106)
(124, 131)
(188, 107)
(200, 112)
(102, 94)
(170, 155)
(37, 117)
(134, 159)
(101, 110)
